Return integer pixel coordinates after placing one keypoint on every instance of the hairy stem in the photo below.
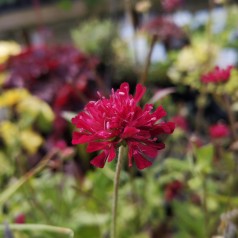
(115, 192)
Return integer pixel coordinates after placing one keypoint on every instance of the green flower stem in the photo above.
(148, 60)
(115, 192)
(10, 190)
(205, 208)
(231, 117)
(39, 227)
(199, 117)
(134, 198)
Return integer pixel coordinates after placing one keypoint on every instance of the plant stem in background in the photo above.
(39, 227)
(129, 15)
(199, 119)
(134, 198)
(5, 195)
(115, 192)
(205, 211)
(148, 60)
(230, 117)
(101, 85)
(201, 103)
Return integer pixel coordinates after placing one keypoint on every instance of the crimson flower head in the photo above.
(163, 28)
(219, 131)
(217, 75)
(173, 189)
(20, 219)
(171, 5)
(180, 122)
(111, 122)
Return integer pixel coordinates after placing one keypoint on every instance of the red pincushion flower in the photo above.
(109, 123)
(180, 122)
(171, 5)
(20, 219)
(163, 28)
(217, 75)
(173, 189)
(219, 131)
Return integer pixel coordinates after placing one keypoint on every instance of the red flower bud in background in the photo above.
(171, 5)
(163, 28)
(20, 219)
(217, 75)
(180, 122)
(107, 124)
(219, 131)
(172, 190)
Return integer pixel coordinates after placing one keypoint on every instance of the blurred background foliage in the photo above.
(191, 189)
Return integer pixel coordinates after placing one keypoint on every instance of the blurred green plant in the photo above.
(95, 37)
(101, 38)
(205, 202)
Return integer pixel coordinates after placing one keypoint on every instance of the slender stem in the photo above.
(129, 15)
(230, 117)
(198, 118)
(134, 198)
(148, 60)
(200, 111)
(101, 84)
(115, 192)
(218, 149)
(10, 190)
(39, 227)
(232, 122)
(205, 211)
(36, 205)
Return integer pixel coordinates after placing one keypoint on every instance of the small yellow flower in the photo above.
(9, 133)
(30, 141)
(3, 77)
(33, 106)
(12, 97)
(8, 48)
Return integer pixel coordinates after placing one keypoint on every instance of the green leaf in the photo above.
(86, 218)
(204, 157)
(171, 164)
(6, 167)
(65, 4)
(186, 214)
(68, 115)
(88, 231)
(142, 235)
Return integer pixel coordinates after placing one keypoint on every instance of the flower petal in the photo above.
(129, 132)
(163, 128)
(159, 113)
(112, 154)
(104, 134)
(124, 88)
(130, 152)
(140, 91)
(150, 150)
(79, 138)
(99, 161)
(94, 146)
(141, 162)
